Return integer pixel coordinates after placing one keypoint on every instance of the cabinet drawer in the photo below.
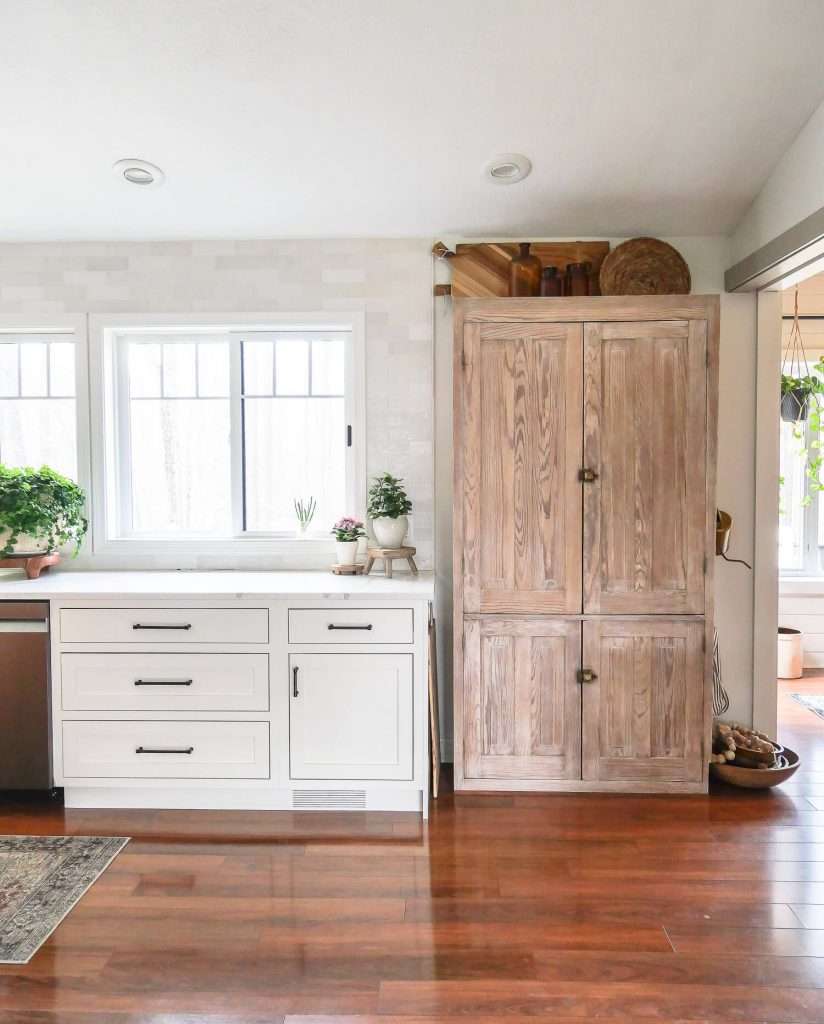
(166, 750)
(164, 625)
(350, 626)
(165, 682)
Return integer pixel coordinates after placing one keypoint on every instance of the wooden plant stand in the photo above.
(389, 555)
(347, 570)
(33, 564)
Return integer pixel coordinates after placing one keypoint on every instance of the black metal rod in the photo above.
(163, 625)
(163, 682)
(164, 750)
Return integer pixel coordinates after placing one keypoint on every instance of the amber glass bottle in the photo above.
(551, 282)
(577, 279)
(524, 273)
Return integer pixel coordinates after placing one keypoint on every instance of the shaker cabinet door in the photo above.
(521, 699)
(643, 713)
(645, 431)
(518, 456)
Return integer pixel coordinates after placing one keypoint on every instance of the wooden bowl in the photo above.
(757, 778)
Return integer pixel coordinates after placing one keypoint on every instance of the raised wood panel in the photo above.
(645, 436)
(522, 701)
(643, 713)
(519, 490)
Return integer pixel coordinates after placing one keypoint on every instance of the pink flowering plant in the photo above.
(348, 529)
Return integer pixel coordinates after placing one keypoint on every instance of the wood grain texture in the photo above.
(643, 716)
(522, 702)
(482, 269)
(531, 908)
(519, 492)
(645, 435)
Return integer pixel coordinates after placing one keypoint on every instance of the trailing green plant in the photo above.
(42, 504)
(387, 498)
(806, 385)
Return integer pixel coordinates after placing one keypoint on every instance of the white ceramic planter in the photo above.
(346, 551)
(25, 545)
(390, 533)
(790, 653)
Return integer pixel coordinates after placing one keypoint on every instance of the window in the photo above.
(38, 403)
(801, 518)
(214, 431)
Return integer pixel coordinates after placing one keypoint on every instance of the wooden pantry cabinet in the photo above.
(584, 524)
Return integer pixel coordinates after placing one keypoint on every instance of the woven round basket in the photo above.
(644, 266)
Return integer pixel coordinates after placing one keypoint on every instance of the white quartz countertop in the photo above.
(125, 585)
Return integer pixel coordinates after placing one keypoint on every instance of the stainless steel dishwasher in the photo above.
(25, 747)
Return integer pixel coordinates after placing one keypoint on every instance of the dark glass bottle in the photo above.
(524, 273)
(551, 282)
(577, 280)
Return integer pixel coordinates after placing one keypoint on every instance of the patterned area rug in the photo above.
(41, 879)
(813, 701)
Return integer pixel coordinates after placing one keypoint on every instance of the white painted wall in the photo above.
(707, 257)
(793, 191)
(389, 280)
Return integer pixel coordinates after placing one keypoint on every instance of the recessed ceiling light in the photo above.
(508, 168)
(140, 173)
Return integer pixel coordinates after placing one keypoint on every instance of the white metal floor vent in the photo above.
(329, 799)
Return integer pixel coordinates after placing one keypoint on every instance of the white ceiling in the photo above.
(327, 118)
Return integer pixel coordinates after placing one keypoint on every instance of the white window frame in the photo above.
(75, 329)
(103, 333)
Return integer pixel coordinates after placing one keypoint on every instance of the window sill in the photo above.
(788, 585)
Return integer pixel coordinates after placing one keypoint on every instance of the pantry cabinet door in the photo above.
(521, 700)
(645, 435)
(643, 713)
(518, 456)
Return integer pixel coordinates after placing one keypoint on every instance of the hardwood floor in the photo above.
(504, 908)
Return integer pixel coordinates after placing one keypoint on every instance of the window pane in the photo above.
(34, 368)
(179, 370)
(327, 366)
(213, 370)
(144, 369)
(294, 449)
(258, 371)
(61, 369)
(292, 369)
(8, 369)
(39, 432)
(180, 466)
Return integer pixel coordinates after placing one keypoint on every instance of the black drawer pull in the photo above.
(295, 691)
(333, 626)
(163, 625)
(163, 682)
(164, 750)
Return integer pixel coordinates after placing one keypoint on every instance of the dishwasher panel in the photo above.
(25, 746)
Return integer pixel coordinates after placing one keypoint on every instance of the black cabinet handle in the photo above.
(586, 675)
(295, 692)
(163, 625)
(164, 750)
(588, 476)
(332, 625)
(163, 682)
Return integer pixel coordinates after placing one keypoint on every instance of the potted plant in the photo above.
(387, 507)
(305, 511)
(796, 393)
(40, 511)
(347, 531)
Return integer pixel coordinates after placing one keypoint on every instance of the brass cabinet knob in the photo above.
(588, 476)
(586, 675)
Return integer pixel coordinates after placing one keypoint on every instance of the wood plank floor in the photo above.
(503, 908)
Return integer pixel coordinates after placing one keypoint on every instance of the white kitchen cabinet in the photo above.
(351, 716)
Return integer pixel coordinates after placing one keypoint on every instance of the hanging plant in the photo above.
(801, 404)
